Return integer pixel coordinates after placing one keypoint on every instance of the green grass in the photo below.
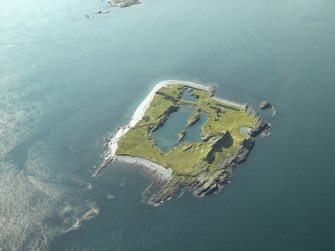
(137, 142)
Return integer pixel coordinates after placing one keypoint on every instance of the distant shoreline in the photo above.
(123, 3)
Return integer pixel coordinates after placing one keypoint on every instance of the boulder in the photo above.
(265, 105)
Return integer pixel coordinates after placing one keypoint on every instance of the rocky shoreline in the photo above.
(112, 4)
(207, 184)
(123, 3)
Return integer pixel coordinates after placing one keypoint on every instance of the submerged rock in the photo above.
(91, 213)
(110, 196)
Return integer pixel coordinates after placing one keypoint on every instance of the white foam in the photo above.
(23, 212)
(29, 198)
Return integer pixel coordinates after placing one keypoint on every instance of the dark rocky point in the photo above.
(265, 105)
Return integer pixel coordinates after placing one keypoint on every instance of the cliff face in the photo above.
(195, 117)
(217, 143)
(206, 183)
(164, 117)
(261, 127)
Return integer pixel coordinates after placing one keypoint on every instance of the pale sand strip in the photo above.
(162, 172)
(229, 102)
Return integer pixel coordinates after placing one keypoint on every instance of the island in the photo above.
(123, 3)
(228, 134)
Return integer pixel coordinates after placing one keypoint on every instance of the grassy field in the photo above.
(187, 159)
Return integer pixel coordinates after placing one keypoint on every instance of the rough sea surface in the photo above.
(68, 81)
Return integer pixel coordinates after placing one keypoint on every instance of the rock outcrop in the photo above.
(195, 117)
(123, 4)
(164, 117)
(261, 127)
(181, 135)
(206, 183)
(265, 105)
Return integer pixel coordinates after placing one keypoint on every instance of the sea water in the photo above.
(166, 137)
(68, 80)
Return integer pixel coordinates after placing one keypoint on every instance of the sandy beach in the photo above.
(161, 172)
